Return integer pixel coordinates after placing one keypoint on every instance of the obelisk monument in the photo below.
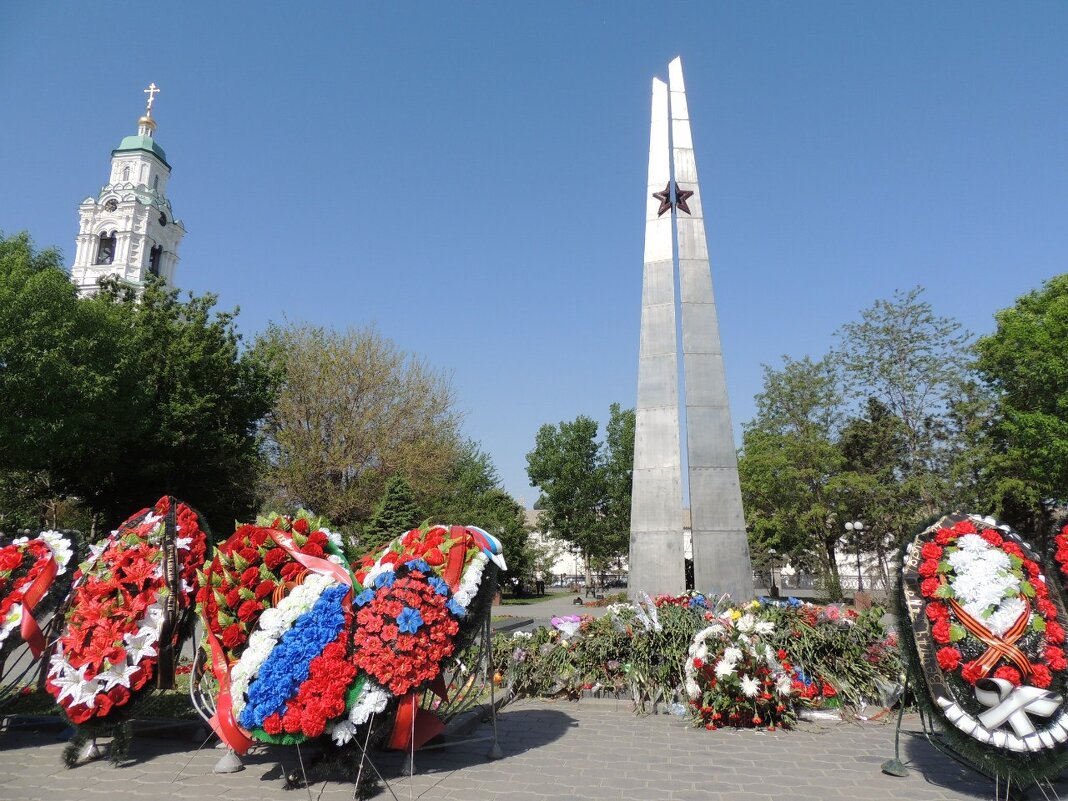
(674, 215)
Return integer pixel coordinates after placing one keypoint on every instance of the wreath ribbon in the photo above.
(223, 722)
(29, 628)
(997, 647)
(1008, 704)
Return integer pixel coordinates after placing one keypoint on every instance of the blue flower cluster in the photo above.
(409, 620)
(364, 597)
(419, 564)
(697, 600)
(455, 608)
(287, 666)
(440, 587)
(385, 579)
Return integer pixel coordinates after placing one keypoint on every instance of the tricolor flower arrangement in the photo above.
(34, 580)
(734, 677)
(275, 601)
(126, 612)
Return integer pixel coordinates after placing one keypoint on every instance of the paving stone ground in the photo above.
(552, 750)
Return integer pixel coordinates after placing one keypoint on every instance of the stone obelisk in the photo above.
(674, 214)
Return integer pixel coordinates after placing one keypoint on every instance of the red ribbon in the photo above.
(30, 630)
(457, 556)
(223, 722)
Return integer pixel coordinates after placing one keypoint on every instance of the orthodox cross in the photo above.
(151, 91)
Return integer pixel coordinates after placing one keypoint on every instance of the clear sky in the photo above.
(471, 177)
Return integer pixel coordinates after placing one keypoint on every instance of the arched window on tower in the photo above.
(105, 252)
(126, 173)
(155, 182)
(154, 257)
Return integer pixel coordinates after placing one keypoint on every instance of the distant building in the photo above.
(128, 229)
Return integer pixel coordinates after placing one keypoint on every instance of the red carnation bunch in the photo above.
(249, 573)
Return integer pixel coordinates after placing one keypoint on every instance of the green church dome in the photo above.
(140, 142)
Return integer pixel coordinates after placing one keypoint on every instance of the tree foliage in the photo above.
(915, 363)
(586, 484)
(353, 410)
(395, 514)
(118, 399)
(473, 497)
(1025, 363)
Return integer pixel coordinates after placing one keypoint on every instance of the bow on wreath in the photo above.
(1009, 704)
(997, 647)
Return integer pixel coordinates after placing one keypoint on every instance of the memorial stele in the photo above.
(128, 229)
(674, 214)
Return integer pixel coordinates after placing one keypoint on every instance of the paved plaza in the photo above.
(552, 750)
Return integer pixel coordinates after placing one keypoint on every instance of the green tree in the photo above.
(118, 399)
(1025, 363)
(395, 514)
(585, 484)
(353, 409)
(788, 465)
(617, 467)
(916, 363)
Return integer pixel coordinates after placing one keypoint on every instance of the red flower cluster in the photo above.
(250, 573)
(322, 696)
(432, 546)
(110, 598)
(20, 565)
(401, 661)
(942, 618)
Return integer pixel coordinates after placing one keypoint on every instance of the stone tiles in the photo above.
(593, 750)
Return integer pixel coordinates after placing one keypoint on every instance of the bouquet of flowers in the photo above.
(275, 602)
(734, 677)
(126, 616)
(34, 580)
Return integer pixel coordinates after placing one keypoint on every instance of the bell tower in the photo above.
(128, 230)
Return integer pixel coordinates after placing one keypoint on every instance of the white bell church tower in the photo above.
(128, 230)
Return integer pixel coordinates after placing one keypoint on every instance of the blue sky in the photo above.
(471, 177)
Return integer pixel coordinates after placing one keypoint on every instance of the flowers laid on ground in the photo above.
(276, 603)
(34, 578)
(799, 654)
(734, 677)
(125, 611)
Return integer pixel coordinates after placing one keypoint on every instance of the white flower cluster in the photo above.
(471, 580)
(741, 640)
(273, 623)
(139, 645)
(984, 584)
(372, 700)
(62, 552)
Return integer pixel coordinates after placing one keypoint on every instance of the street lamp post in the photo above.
(858, 527)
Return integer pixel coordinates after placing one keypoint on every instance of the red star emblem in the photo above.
(664, 198)
(681, 196)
